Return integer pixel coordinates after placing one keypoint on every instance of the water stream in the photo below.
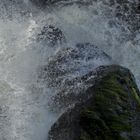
(24, 110)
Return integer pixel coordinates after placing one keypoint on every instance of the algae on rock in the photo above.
(111, 111)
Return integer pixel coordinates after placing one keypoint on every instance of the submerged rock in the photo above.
(66, 69)
(73, 62)
(40, 3)
(44, 3)
(109, 111)
(51, 36)
(127, 11)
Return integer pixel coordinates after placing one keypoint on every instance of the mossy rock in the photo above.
(111, 110)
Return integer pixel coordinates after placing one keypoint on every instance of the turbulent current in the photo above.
(24, 98)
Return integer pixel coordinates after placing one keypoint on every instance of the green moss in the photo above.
(136, 96)
(85, 136)
(110, 115)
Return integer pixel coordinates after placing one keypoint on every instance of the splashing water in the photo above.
(24, 112)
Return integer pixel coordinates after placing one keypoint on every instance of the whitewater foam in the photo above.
(24, 111)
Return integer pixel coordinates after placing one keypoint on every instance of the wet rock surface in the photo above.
(126, 11)
(110, 109)
(51, 36)
(66, 70)
(69, 61)
(40, 3)
(43, 3)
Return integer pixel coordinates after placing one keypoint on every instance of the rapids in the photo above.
(24, 110)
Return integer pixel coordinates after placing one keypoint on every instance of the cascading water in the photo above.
(24, 110)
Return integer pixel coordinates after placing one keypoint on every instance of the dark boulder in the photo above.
(51, 36)
(109, 111)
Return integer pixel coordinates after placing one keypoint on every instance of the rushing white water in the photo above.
(24, 112)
